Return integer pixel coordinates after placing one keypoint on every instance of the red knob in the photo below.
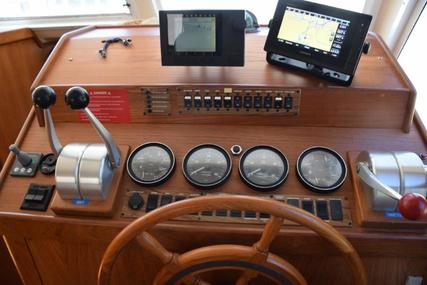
(413, 206)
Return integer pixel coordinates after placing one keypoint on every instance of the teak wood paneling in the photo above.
(21, 57)
(380, 97)
(65, 249)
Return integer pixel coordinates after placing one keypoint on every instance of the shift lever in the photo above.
(44, 97)
(22, 157)
(78, 98)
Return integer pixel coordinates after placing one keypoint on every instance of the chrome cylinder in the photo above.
(404, 172)
(83, 171)
(67, 170)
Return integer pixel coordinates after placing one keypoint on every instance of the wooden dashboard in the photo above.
(140, 101)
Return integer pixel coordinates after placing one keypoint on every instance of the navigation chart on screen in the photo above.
(309, 29)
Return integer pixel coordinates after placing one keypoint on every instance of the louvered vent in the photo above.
(156, 101)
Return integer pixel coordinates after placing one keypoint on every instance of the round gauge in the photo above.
(207, 166)
(151, 163)
(263, 168)
(321, 169)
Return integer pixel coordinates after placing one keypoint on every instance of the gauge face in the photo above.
(263, 167)
(206, 166)
(151, 164)
(321, 169)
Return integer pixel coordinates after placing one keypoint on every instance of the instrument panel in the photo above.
(262, 168)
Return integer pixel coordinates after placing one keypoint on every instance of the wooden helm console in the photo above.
(241, 118)
(184, 268)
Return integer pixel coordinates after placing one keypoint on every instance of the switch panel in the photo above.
(26, 171)
(37, 197)
(261, 101)
(333, 210)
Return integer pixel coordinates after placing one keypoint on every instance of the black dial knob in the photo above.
(77, 98)
(136, 201)
(43, 97)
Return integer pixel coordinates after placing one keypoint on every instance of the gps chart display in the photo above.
(313, 31)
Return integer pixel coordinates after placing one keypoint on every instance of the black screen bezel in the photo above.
(353, 42)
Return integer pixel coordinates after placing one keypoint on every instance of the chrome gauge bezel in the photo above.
(204, 185)
(264, 188)
(316, 188)
(156, 182)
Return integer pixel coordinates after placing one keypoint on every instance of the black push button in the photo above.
(208, 101)
(236, 213)
(257, 102)
(227, 102)
(217, 101)
(264, 216)
(322, 209)
(152, 202)
(136, 201)
(336, 210)
(237, 101)
(221, 213)
(166, 199)
(207, 213)
(293, 202)
(247, 103)
(250, 214)
(188, 101)
(198, 101)
(288, 102)
(308, 206)
(179, 198)
(268, 102)
(278, 102)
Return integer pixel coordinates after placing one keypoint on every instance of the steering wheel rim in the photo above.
(278, 211)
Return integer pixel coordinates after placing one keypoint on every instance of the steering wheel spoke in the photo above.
(261, 247)
(151, 244)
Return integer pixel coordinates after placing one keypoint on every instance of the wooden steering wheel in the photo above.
(185, 268)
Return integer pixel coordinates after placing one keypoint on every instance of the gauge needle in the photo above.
(197, 170)
(253, 172)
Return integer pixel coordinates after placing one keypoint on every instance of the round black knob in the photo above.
(77, 98)
(43, 97)
(136, 201)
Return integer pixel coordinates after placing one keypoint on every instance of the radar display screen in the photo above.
(313, 31)
(189, 33)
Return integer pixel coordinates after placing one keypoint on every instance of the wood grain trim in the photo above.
(421, 127)
(55, 51)
(23, 260)
(51, 58)
(22, 133)
(410, 108)
(8, 37)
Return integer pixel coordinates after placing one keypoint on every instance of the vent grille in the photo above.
(156, 101)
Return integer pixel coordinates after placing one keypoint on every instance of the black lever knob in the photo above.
(43, 97)
(77, 98)
(22, 157)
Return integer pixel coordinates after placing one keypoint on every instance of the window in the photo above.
(263, 9)
(24, 9)
(412, 55)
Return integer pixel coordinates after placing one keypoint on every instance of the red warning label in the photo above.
(109, 106)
